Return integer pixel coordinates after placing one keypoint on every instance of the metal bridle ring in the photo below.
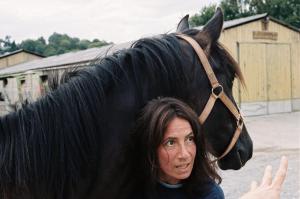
(217, 93)
(240, 122)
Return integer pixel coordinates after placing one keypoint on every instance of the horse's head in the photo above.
(220, 125)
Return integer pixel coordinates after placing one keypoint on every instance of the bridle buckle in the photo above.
(240, 122)
(216, 91)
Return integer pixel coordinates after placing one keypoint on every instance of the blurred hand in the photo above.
(269, 189)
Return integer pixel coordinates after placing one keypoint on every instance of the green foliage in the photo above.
(287, 11)
(6, 45)
(204, 15)
(96, 44)
(83, 44)
(234, 9)
(50, 50)
(29, 44)
(57, 44)
(231, 9)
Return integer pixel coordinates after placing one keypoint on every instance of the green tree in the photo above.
(74, 42)
(37, 46)
(28, 44)
(6, 45)
(234, 9)
(285, 10)
(13, 46)
(97, 44)
(42, 40)
(83, 44)
(65, 44)
(50, 50)
(55, 38)
(57, 44)
(204, 15)
(40, 46)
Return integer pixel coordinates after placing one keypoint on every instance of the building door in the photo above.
(252, 60)
(278, 59)
(267, 71)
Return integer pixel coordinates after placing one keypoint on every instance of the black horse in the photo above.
(70, 143)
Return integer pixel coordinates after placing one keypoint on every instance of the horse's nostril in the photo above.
(241, 155)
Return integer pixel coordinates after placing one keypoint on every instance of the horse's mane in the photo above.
(52, 142)
(49, 145)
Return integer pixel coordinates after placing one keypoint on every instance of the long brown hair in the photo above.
(149, 132)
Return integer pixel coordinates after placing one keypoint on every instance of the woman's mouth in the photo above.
(182, 166)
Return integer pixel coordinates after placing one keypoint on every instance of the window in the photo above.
(265, 24)
(44, 84)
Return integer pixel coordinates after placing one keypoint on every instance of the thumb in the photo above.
(253, 185)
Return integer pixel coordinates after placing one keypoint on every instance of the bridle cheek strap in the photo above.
(216, 94)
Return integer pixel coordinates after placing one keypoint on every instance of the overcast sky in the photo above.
(111, 20)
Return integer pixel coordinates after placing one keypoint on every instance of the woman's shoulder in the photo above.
(213, 191)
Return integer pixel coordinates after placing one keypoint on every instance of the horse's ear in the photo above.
(212, 29)
(214, 26)
(183, 24)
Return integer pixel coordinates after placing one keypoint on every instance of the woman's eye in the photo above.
(190, 139)
(170, 143)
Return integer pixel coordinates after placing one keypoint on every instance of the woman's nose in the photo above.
(183, 151)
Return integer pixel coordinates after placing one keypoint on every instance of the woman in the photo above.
(171, 158)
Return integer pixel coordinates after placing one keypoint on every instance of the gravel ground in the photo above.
(273, 136)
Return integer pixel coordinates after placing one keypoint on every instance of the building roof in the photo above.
(19, 51)
(244, 20)
(71, 58)
(237, 22)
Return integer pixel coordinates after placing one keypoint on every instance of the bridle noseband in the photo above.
(216, 93)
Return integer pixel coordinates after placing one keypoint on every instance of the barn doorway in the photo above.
(267, 71)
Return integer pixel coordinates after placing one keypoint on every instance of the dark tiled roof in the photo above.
(71, 58)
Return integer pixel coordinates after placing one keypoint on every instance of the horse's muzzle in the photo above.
(238, 156)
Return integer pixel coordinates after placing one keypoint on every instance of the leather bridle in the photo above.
(216, 93)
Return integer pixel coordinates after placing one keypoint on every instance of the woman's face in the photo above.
(176, 153)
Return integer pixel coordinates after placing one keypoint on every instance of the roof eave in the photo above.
(264, 15)
(19, 51)
(284, 24)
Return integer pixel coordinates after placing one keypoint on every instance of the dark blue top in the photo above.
(167, 191)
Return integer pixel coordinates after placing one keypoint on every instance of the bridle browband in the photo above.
(216, 93)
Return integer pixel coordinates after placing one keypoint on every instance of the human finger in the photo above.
(253, 185)
(281, 173)
(267, 178)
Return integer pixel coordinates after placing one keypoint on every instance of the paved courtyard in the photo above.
(273, 136)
